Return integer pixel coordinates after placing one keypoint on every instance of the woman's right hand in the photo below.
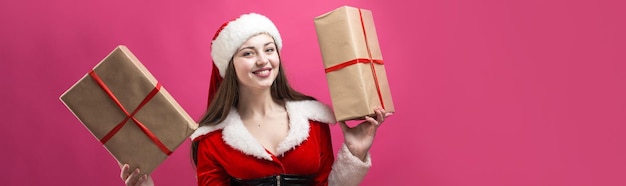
(133, 179)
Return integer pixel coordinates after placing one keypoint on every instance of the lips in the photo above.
(262, 71)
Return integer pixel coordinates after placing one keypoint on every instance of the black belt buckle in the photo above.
(276, 180)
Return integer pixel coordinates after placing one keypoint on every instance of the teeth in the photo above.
(262, 72)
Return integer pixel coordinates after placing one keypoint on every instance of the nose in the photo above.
(262, 59)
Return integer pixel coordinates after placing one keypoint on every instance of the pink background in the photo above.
(487, 92)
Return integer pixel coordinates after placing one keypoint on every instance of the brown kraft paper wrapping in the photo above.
(130, 82)
(353, 88)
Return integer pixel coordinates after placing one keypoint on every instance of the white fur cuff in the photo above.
(348, 169)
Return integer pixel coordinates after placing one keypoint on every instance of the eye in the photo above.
(247, 53)
(268, 50)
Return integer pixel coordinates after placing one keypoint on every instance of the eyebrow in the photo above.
(251, 47)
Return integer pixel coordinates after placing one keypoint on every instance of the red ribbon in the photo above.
(352, 62)
(363, 60)
(131, 116)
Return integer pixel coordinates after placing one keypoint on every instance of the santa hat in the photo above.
(230, 36)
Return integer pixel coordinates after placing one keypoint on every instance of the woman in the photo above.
(258, 130)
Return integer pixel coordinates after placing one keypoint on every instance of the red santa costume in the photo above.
(228, 153)
(228, 150)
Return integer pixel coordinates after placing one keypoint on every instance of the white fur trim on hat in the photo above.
(237, 32)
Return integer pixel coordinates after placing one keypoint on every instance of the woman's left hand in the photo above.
(359, 139)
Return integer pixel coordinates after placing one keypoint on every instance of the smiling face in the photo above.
(257, 62)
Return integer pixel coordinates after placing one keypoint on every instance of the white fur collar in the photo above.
(237, 136)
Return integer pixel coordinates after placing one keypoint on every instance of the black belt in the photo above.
(276, 180)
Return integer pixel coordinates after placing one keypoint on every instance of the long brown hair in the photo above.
(227, 97)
